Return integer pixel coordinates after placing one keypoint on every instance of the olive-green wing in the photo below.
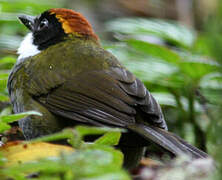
(111, 97)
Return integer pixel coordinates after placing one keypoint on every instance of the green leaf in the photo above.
(9, 42)
(165, 99)
(212, 81)
(16, 117)
(76, 135)
(116, 158)
(7, 62)
(29, 6)
(168, 30)
(150, 69)
(154, 50)
(211, 86)
(73, 137)
(8, 59)
(4, 98)
(3, 79)
(6, 111)
(196, 67)
(94, 162)
(4, 127)
(110, 138)
(87, 130)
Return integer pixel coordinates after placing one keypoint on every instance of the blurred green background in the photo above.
(173, 46)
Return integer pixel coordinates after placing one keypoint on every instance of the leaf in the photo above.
(29, 6)
(15, 117)
(3, 79)
(6, 111)
(4, 127)
(212, 81)
(4, 98)
(110, 138)
(168, 30)
(86, 130)
(7, 62)
(149, 69)
(64, 134)
(94, 162)
(165, 99)
(196, 67)
(8, 59)
(154, 50)
(112, 157)
(9, 42)
(211, 86)
(18, 152)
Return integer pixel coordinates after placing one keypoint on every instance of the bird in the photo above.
(64, 73)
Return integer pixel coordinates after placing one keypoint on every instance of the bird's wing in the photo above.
(111, 97)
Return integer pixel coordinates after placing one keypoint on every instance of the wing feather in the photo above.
(111, 97)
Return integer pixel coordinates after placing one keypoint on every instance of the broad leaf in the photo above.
(16, 117)
(110, 138)
(168, 30)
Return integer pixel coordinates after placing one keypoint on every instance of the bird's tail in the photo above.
(167, 140)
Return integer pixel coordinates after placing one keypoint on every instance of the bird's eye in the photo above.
(43, 24)
(28, 24)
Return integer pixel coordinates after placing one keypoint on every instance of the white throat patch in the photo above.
(27, 48)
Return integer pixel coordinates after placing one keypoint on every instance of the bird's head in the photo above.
(51, 27)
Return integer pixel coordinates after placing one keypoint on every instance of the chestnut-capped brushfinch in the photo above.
(64, 73)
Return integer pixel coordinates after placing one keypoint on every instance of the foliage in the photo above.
(175, 71)
(182, 78)
(89, 161)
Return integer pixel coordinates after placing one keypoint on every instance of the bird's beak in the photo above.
(28, 21)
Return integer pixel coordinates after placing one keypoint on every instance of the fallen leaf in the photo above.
(18, 152)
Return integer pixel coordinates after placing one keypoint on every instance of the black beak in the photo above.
(28, 21)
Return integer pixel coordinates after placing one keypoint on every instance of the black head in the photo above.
(46, 29)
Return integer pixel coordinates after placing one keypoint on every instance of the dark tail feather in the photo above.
(167, 140)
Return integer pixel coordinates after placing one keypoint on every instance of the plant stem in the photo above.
(200, 137)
